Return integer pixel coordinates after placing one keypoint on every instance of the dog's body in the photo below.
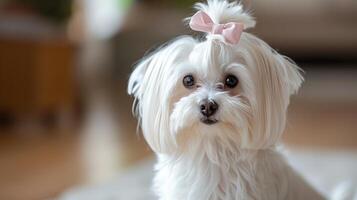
(261, 174)
(214, 112)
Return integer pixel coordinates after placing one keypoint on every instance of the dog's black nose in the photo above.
(208, 107)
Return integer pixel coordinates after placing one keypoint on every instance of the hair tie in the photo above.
(231, 31)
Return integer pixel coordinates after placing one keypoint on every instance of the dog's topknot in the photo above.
(222, 11)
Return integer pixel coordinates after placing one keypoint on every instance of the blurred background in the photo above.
(66, 127)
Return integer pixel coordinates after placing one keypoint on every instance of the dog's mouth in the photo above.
(208, 121)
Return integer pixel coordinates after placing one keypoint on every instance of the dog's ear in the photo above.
(293, 73)
(275, 77)
(154, 60)
(150, 84)
(137, 76)
(280, 70)
(150, 68)
(286, 71)
(139, 79)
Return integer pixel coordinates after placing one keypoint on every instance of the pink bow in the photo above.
(230, 31)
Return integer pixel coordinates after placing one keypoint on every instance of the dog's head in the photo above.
(190, 91)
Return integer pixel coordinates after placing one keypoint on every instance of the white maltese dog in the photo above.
(214, 110)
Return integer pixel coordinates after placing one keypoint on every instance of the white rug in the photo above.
(323, 169)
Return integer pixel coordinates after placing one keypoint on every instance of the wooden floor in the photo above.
(38, 163)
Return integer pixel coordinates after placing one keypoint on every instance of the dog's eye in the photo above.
(188, 81)
(231, 81)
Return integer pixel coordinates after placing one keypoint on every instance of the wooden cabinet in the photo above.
(36, 76)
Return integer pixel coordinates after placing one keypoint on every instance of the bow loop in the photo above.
(230, 31)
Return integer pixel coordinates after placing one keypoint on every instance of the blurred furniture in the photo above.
(35, 76)
(308, 29)
(36, 67)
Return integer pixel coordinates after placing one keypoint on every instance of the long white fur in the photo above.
(237, 157)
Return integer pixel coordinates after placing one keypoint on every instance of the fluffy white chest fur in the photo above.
(246, 175)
